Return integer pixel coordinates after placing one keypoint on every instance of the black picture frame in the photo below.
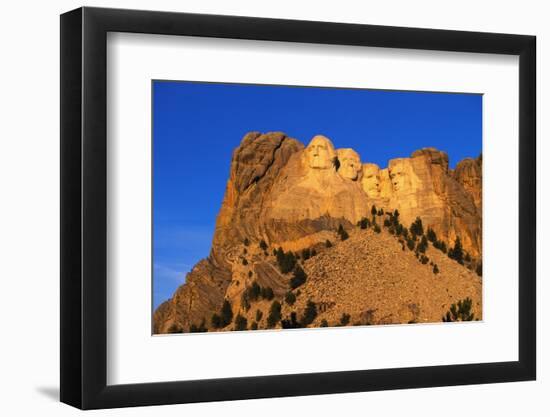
(84, 207)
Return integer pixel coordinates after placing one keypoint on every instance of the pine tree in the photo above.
(344, 320)
(263, 245)
(432, 237)
(396, 216)
(328, 244)
(479, 269)
(399, 229)
(373, 210)
(462, 311)
(254, 291)
(439, 244)
(416, 227)
(216, 321)
(274, 314)
(456, 252)
(227, 313)
(240, 323)
(286, 261)
(342, 232)
(290, 298)
(291, 323)
(422, 245)
(364, 223)
(310, 313)
(299, 277)
(267, 293)
(246, 241)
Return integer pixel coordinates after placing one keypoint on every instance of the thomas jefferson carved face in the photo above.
(320, 153)
(371, 180)
(350, 164)
(400, 174)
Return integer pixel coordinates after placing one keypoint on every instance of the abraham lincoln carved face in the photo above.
(320, 153)
(401, 174)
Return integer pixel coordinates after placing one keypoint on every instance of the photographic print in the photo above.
(285, 207)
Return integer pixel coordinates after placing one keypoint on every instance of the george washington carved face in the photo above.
(320, 153)
(350, 164)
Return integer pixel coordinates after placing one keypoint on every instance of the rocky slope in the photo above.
(281, 194)
(380, 283)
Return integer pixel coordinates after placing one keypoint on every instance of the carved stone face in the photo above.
(350, 164)
(400, 171)
(371, 180)
(320, 153)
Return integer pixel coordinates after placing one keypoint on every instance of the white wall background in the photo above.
(29, 211)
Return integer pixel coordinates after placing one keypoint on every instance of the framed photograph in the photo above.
(258, 208)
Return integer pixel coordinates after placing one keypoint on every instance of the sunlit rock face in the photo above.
(311, 195)
(436, 157)
(350, 164)
(294, 196)
(403, 178)
(320, 153)
(255, 167)
(422, 186)
(280, 191)
(370, 180)
(468, 172)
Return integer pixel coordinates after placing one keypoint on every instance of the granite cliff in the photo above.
(341, 223)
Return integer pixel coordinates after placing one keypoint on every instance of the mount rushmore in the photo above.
(286, 198)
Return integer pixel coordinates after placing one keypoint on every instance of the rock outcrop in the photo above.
(313, 193)
(468, 173)
(422, 186)
(255, 166)
(281, 194)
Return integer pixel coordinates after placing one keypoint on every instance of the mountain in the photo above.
(315, 232)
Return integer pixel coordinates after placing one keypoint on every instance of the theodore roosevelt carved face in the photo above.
(320, 153)
(371, 180)
(350, 164)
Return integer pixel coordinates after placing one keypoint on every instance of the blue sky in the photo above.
(196, 126)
